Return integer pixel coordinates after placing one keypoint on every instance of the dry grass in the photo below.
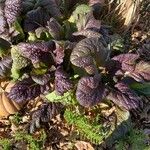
(121, 14)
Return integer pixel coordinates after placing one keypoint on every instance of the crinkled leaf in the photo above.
(78, 16)
(3, 21)
(26, 90)
(141, 71)
(124, 97)
(87, 33)
(141, 88)
(36, 51)
(12, 10)
(41, 79)
(55, 29)
(19, 62)
(67, 98)
(44, 114)
(59, 52)
(90, 53)
(5, 67)
(36, 18)
(127, 61)
(90, 91)
(62, 81)
(91, 28)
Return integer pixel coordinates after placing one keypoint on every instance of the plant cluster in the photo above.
(60, 50)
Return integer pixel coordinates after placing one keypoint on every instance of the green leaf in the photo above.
(141, 88)
(117, 43)
(67, 99)
(19, 62)
(18, 28)
(32, 37)
(39, 71)
(79, 12)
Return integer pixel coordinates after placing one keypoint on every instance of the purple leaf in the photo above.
(124, 97)
(3, 21)
(36, 51)
(90, 28)
(41, 79)
(36, 18)
(90, 91)
(62, 81)
(127, 61)
(26, 90)
(55, 29)
(5, 67)
(90, 53)
(12, 10)
(59, 52)
(141, 72)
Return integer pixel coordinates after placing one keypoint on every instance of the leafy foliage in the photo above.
(26, 90)
(93, 132)
(55, 29)
(19, 62)
(3, 24)
(141, 72)
(62, 81)
(91, 27)
(12, 10)
(138, 70)
(89, 53)
(67, 98)
(125, 97)
(36, 18)
(90, 91)
(62, 52)
(41, 79)
(35, 51)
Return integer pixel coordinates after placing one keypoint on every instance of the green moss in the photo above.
(5, 144)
